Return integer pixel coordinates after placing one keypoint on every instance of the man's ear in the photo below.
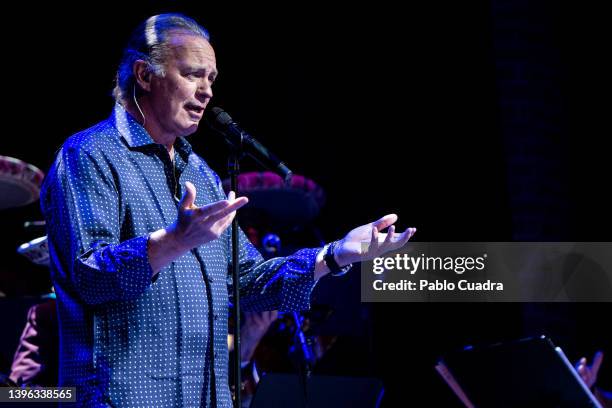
(142, 74)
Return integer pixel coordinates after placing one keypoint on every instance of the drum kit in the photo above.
(20, 184)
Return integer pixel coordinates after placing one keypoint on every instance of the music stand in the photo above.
(531, 372)
(286, 390)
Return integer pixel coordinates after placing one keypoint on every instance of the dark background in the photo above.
(474, 121)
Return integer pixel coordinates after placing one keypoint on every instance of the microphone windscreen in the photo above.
(219, 117)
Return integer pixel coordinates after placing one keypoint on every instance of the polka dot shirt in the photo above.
(128, 340)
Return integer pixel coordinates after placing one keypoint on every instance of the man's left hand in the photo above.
(351, 248)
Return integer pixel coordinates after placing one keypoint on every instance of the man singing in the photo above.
(139, 235)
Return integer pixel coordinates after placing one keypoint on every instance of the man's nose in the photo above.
(205, 89)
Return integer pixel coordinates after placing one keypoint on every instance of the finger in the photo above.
(258, 319)
(583, 373)
(597, 362)
(188, 196)
(390, 234)
(219, 227)
(220, 209)
(385, 221)
(585, 377)
(251, 316)
(220, 222)
(212, 208)
(412, 232)
(374, 239)
(223, 223)
(231, 196)
(269, 317)
(232, 207)
(405, 236)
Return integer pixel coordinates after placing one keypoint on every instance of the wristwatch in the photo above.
(331, 263)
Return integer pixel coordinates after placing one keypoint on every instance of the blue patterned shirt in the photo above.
(127, 339)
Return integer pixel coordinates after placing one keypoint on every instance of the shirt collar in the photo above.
(131, 131)
(136, 136)
(183, 147)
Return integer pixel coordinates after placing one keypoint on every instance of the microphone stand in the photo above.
(237, 150)
(304, 356)
(233, 171)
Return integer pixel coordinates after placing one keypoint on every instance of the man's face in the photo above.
(178, 99)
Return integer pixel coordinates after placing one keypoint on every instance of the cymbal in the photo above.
(20, 182)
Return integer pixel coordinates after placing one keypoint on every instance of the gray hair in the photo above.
(149, 43)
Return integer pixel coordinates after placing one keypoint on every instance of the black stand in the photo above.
(237, 141)
(233, 170)
(283, 390)
(530, 372)
(304, 356)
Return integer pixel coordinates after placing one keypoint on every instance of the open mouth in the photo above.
(198, 110)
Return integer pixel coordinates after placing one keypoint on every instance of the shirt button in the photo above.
(216, 316)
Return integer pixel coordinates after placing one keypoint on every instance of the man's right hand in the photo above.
(193, 227)
(198, 225)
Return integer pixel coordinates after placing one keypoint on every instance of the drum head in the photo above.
(19, 182)
(36, 251)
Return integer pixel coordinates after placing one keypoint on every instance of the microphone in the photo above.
(242, 141)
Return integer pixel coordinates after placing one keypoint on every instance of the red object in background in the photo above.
(278, 203)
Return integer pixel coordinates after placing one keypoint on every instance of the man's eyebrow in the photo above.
(200, 69)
